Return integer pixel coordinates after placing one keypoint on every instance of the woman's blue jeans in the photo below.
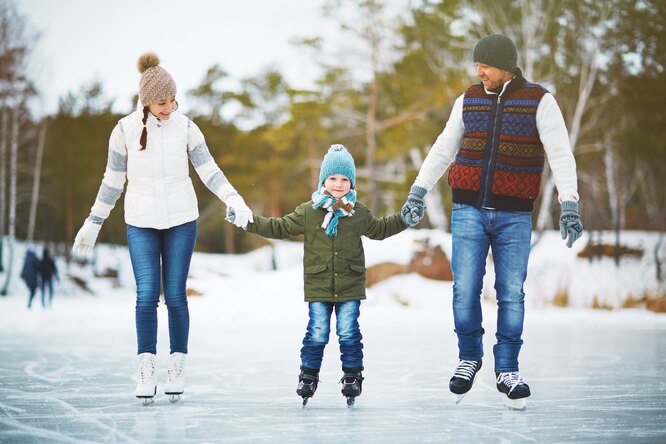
(507, 234)
(319, 328)
(161, 255)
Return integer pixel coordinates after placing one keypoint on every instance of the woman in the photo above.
(150, 149)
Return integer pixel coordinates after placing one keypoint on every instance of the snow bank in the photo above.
(273, 275)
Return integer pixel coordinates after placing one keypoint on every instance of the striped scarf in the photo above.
(336, 208)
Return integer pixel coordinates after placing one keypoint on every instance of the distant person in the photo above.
(31, 274)
(49, 271)
(333, 223)
(150, 148)
(496, 140)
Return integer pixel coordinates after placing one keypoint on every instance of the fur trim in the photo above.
(147, 60)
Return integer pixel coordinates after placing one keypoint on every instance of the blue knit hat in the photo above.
(338, 161)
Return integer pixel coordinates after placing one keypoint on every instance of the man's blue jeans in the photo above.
(508, 235)
(172, 247)
(319, 328)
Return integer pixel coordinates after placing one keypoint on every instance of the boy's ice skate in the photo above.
(307, 384)
(352, 385)
(463, 378)
(514, 390)
(146, 387)
(175, 383)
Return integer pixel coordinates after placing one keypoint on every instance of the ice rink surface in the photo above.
(66, 376)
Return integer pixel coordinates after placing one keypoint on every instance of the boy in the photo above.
(334, 266)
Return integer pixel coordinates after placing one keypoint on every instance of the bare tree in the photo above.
(4, 125)
(37, 172)
(15, 89)
(13, 169)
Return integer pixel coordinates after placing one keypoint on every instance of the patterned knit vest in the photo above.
(501, 158)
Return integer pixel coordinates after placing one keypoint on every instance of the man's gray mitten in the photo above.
(570, 224)
(414, 209)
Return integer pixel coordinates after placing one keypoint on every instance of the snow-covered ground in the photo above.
(596, 375)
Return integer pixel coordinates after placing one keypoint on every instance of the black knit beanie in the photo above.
(496, 50)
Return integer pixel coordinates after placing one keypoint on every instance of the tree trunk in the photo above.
(3, 179)
(35, 182)
(229, 244)
(313, 162)
(70, 192)
(275, 209)
(613, 187)
(371, 142)
(12, 194)
(587, 79)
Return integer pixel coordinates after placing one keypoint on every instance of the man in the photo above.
(496, 141)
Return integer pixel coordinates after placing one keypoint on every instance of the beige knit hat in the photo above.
(156, 83)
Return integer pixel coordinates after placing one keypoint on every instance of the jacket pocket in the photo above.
(357, 268)
(314, 269)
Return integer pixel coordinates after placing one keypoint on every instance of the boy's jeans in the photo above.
(508, 235)
(347, 328)
(174, 246)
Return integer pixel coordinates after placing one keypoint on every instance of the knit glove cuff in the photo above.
(569, 205)
(418, 191)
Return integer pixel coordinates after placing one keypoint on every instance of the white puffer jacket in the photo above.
(159, 190)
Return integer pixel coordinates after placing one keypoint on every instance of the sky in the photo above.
(86, 40)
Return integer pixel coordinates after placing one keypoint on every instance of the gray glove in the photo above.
(570, 225)
(414, 209)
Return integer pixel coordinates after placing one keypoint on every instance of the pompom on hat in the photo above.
(338, 161)
(496, 50)
(156, 83)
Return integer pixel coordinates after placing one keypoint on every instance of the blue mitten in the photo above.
(414, 209)
(570, 224)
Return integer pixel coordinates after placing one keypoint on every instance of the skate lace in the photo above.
(175, 369)
(510, 379)
(146, 369)
(465, 370)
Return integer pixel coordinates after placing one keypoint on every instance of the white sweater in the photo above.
(552, 132)
(159, 190)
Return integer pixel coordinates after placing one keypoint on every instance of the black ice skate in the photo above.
(464, 378)
(307, 384)
(514, 390)
(352, 384)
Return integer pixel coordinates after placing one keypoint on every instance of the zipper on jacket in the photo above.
(492, 157)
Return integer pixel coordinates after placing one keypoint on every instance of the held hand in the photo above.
(231, 217)
(238, 213)
(414, 209)
(570, 224)
(85, 238)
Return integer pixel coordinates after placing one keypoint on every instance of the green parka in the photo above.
(333, 267)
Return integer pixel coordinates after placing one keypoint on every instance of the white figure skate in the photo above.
(175, 383)
(146, 387)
